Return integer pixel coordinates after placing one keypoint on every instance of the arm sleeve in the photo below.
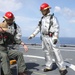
(55, 26)
(36, 31)
(18, 35)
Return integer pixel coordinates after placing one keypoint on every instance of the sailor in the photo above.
(49, 28)
(10, 33)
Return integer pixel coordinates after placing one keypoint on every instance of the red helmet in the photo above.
(44, 6)
(9, 15)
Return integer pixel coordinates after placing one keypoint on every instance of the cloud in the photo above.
(27, 24)
(1, 19)
(68, 12)
(9, 5)
(25, 19)
(67, 32)
(57, 9)
(72, 21)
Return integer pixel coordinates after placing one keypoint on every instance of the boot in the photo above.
(47, 69)
(22, 73)
(63, 72)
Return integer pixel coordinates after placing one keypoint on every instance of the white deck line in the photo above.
(39, 57)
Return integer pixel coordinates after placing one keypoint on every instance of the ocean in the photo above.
(62, 40)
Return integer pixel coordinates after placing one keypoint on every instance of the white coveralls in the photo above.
(49, 48)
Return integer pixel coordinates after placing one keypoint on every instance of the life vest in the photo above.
(7, 38)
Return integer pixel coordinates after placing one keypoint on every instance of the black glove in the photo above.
(55, 41)
(30, 38)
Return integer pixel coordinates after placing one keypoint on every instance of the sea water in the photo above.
(62, 40)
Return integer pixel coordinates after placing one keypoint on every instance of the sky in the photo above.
(27, 14)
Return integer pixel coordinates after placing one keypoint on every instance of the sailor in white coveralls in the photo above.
(49, 29)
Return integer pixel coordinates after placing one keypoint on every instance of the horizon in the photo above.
(59, 37)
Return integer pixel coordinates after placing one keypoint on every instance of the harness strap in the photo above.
(15, 27)
(51, 22)
(40, 23)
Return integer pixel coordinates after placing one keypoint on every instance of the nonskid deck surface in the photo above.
(35, 61)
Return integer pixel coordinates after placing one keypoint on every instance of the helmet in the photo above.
(44, 6)
(9, 15)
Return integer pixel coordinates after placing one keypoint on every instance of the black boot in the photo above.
(63, 72)
(47, 69)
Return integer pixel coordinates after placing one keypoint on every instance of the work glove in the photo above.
(31, 36)
(54, 39)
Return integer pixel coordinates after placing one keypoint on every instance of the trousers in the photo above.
(52, 52)
(6, 55)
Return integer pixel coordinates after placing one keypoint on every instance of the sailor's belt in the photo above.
(49, 34)
(44, 34)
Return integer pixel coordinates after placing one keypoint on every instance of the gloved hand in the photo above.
(54, 41)
(31, 36)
